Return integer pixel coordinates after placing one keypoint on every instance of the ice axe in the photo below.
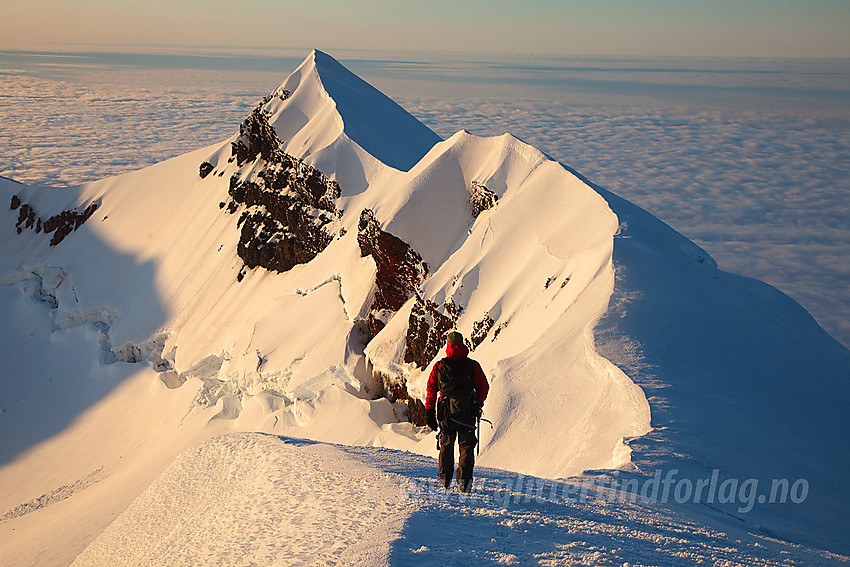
(478, 421)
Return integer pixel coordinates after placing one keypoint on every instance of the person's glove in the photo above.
(477, 409)
(431, 418)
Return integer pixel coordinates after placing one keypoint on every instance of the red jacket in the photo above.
(455, 350)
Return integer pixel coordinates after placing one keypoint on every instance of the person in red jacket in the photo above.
(454, 399)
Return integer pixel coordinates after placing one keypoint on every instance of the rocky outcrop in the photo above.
(426, 333)
(288, 207)
(427, 328)
(60, 225)
(416, 412)
(289, 210)
(256, 138)
(480, 329)
(205, 169)
(481, 198)
(400, 272)
(400, 269)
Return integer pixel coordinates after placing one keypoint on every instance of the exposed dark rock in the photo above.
(60, 225)
(256, 138)
(280, 244)
(426, 330)
(481, 198)
(282, 94)
(498, 330)
(374, 324)
(287, 216)
(206, 168)
(390, 386)
(453, 310)
(66, 222)
(26, 216)
(289, 205)
(400, 269)
(480, 329)
(394, 388)
(311, 185)
(416, 412)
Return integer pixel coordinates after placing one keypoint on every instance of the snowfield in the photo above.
(169, 396)
(251, 499)
(245, 499)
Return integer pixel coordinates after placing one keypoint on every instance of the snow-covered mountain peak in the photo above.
(322, 99)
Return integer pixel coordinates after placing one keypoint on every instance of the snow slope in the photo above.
(611, 342)
(250, 498)
(254, 499)
(741, 379)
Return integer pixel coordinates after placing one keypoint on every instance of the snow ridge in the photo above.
(369, 118)
(276, 503)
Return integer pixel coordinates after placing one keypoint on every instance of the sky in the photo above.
(733, 28)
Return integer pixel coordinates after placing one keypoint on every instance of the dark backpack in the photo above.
(456, 379)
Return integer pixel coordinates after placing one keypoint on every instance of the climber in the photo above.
(462, 389)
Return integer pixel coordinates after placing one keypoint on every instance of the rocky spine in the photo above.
(288, 207)
(400, 269)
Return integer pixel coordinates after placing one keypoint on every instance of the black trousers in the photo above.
(466, 458)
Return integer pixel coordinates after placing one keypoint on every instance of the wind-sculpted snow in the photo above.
(756, 176)
(479, 213)
(729, 355)
(372, 120)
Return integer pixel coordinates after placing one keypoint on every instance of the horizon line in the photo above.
(89, 47)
